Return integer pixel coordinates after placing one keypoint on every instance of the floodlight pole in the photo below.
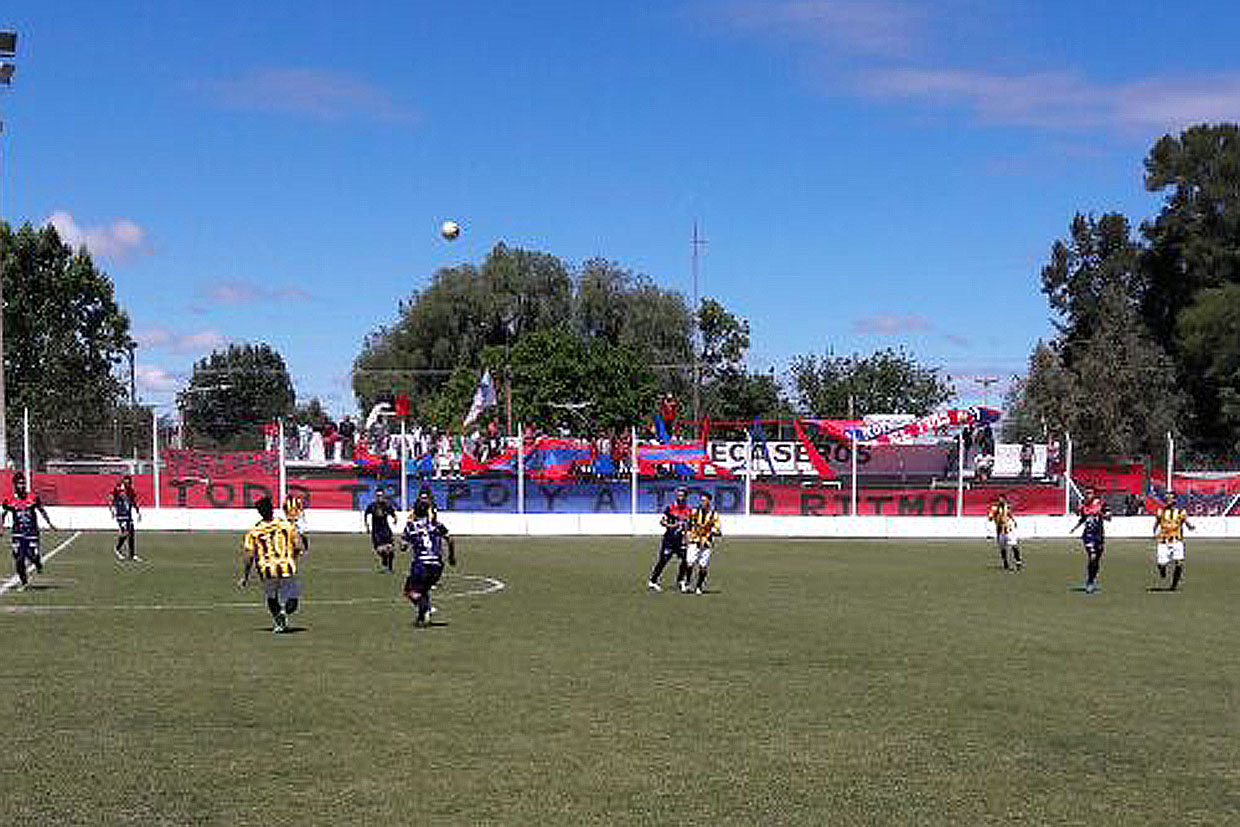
(8, 50)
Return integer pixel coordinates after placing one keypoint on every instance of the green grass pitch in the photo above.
(820, 682)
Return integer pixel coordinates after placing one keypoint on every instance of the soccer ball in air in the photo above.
(450, 230)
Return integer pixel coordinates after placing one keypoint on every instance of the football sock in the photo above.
(273, 606)
(657, 571)
(38, 563)
(21, 571)
(120, 541)
(683, 573)
(1091, 569)
(1162, 570)
(701, 578)
(290, 606)
(1176, 574)
(1003, 557)
(1016, 555)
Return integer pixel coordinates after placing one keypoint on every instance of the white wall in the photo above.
(466, 523)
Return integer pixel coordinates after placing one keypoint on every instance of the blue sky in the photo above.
(868, 174)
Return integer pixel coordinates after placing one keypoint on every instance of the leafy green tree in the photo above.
(64, 336)
(888, 381)
(464, 310)
(1195, 239)
(1099, 258)
(233, 392)
(1209, 348)
(310, 413)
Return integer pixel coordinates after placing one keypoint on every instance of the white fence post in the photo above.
(960, 474)
(1067, 476)
(853, 461)
(280, 458)
(404, 467)
(155, 453)
(633, 476)
(749, 469)
(26, 448)
(520, 469)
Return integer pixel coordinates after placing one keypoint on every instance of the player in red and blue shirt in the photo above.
(1093, 514)
(675, 522)
(123, 503)
(25, 510)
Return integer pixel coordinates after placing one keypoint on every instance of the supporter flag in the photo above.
(484, 398)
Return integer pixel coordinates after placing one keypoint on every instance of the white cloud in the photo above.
(154, 379)
(239, 291)
(161, 338)
(886, 325)
(316, 93)
(873, 27)
(1063, 100)
(118, 240)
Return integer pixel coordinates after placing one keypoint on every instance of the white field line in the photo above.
(13, 580)
(488, 585)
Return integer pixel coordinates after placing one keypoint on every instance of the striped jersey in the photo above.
(425, 541)
(25, 516)
(1171, 524)
(274, 546)
(1001, 515)
(703, 525)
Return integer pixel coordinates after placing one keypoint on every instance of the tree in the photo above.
(1099, 258)
(311, 413)
(233, 392)
(1210, 355)
(464, 310)
(888, 381)
(64, 335)
(1195, 239)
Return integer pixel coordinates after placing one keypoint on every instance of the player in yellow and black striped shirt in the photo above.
(703, 529)
(272, 548)
(1169, 525)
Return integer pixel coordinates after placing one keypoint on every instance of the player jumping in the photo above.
(1169, 525)
(25, 510)
(424, 537)
(1093, 514)
(674, 521)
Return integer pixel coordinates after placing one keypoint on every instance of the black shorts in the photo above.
(1094, 545)
(124, 525)
(27, 547)
(422, 576)
(673, 546)
(381, 540)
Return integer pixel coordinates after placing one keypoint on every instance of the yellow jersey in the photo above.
(273, 545)
(1169, 524)
(1001, 515)
(703, 526)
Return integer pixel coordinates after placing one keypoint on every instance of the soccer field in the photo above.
(819, 682)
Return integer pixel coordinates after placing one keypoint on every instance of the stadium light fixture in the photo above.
(8, 43)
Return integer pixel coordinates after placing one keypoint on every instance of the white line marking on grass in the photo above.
(14, 579)
(488, 585)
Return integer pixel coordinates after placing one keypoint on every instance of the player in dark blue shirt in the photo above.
(25, 510)
(377, 518)
(425, 538)
(1093, 514)
(123, 503)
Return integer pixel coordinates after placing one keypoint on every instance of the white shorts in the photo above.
(1008, 540)
(698, 555)
(1166, 552)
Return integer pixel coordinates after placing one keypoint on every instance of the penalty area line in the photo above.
(13, 580)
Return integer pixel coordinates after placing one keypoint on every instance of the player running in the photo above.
(377, 519)
(1001, 515)
(703, 529)
(1169, 525)
(123, 503)
(272, 547)
(1093, 514)
(675, 520)
(25, 510)
(424, 537)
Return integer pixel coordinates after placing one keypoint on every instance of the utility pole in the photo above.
(8, 51)
(697, 242)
